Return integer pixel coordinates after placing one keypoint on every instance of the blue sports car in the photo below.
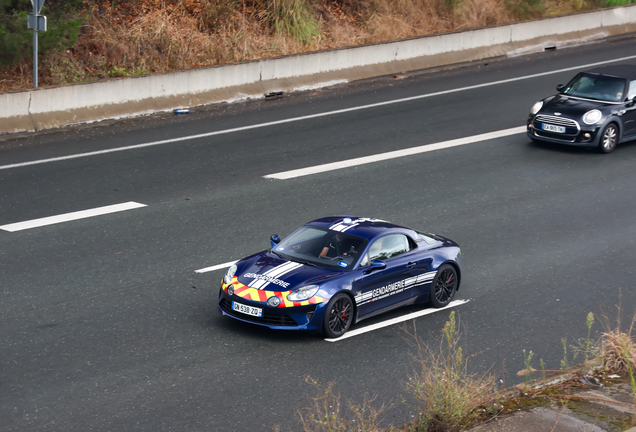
(336, 271)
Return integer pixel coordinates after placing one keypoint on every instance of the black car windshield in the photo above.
(322, 248)
(597, 87)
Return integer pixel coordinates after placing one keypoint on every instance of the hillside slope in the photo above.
(104, 39)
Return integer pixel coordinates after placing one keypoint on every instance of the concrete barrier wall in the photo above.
(51, 107)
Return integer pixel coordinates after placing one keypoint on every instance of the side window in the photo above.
(388, 247)
(631, 93)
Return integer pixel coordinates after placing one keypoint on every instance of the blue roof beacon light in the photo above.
(346, 220)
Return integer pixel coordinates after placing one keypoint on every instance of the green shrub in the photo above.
(16, 40)
(610, 3)
(293, 18)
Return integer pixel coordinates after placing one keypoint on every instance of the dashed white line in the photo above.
(285, 175)
(359, 331)
(215, 267)
(34, 223)
(307, 117)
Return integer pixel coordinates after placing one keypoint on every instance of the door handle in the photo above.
(410, 265)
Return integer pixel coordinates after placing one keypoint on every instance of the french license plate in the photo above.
(247, 310)
(553, 128)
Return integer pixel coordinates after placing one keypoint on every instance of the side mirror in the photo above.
(274, 240)
(560, 87)
(376, 265)
(631, 103)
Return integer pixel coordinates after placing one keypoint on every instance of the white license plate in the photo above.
(247, 310)
(553, 128)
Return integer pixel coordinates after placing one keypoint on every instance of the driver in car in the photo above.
(338, 245)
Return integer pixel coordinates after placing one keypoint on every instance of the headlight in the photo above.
(303, 293)
(592, 117)
(536, 107)
(229, 275)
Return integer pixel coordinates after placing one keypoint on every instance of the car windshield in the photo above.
(596, 87)
(321, 248)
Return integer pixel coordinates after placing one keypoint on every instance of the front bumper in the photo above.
(307, 315)
(575, 134)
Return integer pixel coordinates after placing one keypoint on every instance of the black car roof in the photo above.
(620, 71)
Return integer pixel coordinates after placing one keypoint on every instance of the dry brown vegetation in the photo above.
(447, 397)
(618, 346)
(124, 38)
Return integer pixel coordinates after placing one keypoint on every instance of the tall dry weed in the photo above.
(447, 396)
(481, 13)
(617, 346)
(164, 39)
(564, 7)
(158, 41)
(395, 19)
(16, 77)
(326, 413)
(618, 349)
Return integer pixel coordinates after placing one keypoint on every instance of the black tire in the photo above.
(444, 286)
(609, 138)
(338, 316)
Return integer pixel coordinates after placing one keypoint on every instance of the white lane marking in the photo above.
(285, 175)
(307, 117)
(19, 226)
(216, 267)
(359, 331)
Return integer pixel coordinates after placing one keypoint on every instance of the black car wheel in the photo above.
(444, 286)
(338, 316)
(609, 139)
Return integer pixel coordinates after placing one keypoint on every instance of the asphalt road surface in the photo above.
(105, 326)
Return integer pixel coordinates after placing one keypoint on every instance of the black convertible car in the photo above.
(596, 109)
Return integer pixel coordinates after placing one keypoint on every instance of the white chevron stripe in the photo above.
(426, 276)
(274, 273)
(337, 227)
(350, 226)
(410, 281)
